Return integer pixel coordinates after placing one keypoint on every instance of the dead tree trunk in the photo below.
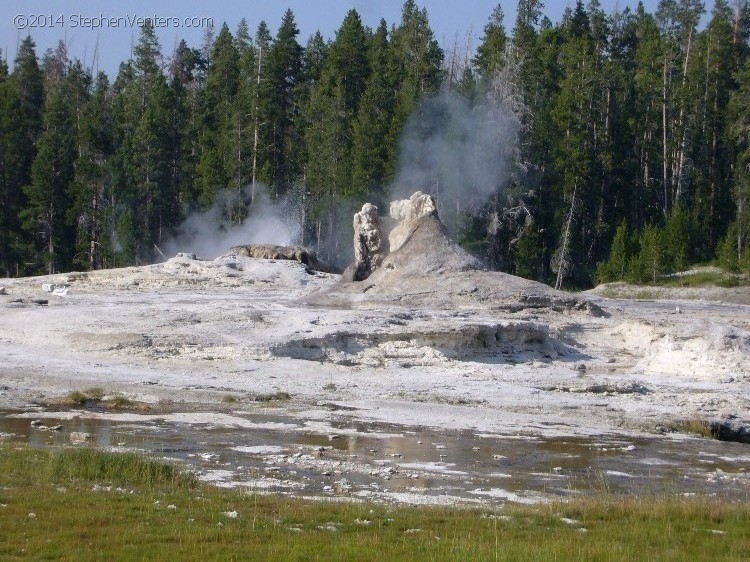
(566, 240)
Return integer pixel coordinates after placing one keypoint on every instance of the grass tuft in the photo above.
(93, 397)
(694, 426)
(90, 464)
(77, 398)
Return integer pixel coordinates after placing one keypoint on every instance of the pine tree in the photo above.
(8, 198)
(370, 149)
(677, 23)
(739, 133)
(261, 115)
(221, 126)
(526, 252)
(491, 53)
(283, 69)
(11, 174)
(45, 214)
(145, 164)
(349, 61)
(575, 154)
(22, 103)
(416, 61)
(186, 71)
(334, 105)
(712, 159)
(328, 173)
(646, 119)
(677, 240)
(90, 210)
(651, 254)
(242, 130)
(615, 268)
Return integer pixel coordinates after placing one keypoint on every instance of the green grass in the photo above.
(93, 505)
(702, 279)
(97, 397)
(701, 428)
(698, 279)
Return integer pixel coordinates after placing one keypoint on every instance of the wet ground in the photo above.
(275, 453)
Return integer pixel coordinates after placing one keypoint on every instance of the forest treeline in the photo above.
(632, 156)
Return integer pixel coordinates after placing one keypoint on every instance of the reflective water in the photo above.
(416, 465)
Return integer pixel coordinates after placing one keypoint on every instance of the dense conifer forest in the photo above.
(623, 139)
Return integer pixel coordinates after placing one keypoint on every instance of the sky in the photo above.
(101, 34)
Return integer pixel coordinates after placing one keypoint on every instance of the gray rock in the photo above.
(291, 253)
(80, 437)
(369, 244)
(731, 429)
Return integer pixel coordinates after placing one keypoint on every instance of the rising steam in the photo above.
(458, 153)
(209, 234)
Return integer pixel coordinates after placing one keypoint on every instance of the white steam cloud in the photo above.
(209, 235)
(458, 153)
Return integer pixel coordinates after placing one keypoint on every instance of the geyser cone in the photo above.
(426, 267)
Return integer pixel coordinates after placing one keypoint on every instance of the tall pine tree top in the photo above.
(348, 58)
(491, 51)
(147, 52)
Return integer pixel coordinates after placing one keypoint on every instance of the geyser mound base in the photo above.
(421, 265)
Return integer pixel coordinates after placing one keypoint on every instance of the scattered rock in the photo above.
(730, 429)
(336, 407)
(61, 291)
(80, 437)
(601, 388)
(26, 302)
(291, 253)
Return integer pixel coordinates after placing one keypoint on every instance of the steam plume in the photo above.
(209, 235)
(458, 153)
